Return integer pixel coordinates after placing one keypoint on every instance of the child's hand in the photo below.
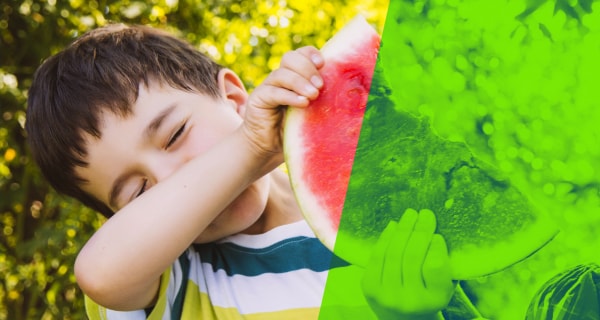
(295, 83)
(409, 276)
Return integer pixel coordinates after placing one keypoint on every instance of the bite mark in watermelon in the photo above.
(397, 162)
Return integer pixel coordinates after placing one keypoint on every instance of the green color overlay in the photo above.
(485, 112)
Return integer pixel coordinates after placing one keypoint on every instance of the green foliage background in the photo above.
(41, 232)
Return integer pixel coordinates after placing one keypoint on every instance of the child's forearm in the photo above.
(121, 264)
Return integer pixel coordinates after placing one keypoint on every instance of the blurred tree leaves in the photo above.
(42, 231)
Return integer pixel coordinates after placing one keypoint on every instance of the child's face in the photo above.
(168, 127)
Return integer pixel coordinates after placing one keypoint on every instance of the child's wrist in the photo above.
(260, 160)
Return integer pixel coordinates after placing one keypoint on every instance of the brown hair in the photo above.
(102, 72)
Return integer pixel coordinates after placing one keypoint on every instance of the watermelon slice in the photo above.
(573, 294)
(320, 171)
(357, 161)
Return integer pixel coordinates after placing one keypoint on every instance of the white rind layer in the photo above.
(347, 40)
(314, 213)
(344, 43)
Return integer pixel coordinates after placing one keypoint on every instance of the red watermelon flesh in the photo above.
(320, 163)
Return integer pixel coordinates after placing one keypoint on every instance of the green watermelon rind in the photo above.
(489, 261)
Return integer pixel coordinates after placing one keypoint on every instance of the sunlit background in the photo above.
(41, 232)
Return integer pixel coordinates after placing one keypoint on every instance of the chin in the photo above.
(243, 215)
(217, 231)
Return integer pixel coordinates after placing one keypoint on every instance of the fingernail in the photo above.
(317, 81)
(316, 59)
(311, 90)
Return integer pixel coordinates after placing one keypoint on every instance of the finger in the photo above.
(372, 279)
(408, 220)
(271, 97)
(293, 81)
(392, 269)
(304, 64)
(313, 54)
(416, 250)
(436, 267)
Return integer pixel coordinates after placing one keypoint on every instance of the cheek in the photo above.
(201, 138)
(198, 142)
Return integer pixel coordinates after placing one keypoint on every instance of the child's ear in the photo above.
(232, 88)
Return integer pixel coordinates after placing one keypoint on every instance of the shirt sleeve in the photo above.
(96, 312)
(170, 284)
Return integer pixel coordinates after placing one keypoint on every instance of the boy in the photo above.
(169, 145)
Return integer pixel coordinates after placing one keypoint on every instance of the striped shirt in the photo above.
(280, 274)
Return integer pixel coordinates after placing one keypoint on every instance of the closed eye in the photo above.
(142, 188)
(175, 136)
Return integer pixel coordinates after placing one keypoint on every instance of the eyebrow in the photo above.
(155, 124)
(149, 132)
